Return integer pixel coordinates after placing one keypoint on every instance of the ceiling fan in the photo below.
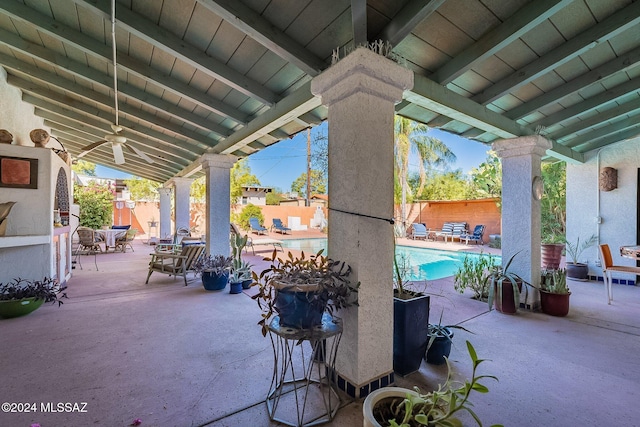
(116, 140)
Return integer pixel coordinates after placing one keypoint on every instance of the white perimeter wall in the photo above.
(617, 208)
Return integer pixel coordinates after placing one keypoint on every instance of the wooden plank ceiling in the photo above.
(232, 76)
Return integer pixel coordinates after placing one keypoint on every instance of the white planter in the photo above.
(373, 398)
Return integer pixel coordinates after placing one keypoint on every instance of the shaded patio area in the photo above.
(172, 355)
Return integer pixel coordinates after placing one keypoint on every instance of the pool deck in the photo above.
(175, 355)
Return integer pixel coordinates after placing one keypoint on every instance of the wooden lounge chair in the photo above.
(279, 226)
(256, 227)
(175, 264)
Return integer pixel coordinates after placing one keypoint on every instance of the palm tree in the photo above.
(411, 137)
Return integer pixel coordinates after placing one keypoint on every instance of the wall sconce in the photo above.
(608, 179)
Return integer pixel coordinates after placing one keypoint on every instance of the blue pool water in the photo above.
(427, 264)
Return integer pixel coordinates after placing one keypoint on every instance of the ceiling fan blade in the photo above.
(118, 155)
(139, 153)
(85, 150)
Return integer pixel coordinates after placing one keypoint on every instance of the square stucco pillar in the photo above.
(165, 212)
(521, 222)
(218, 183)
(360, 92)
(182, 188)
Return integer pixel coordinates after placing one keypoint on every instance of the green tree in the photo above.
(411, 138)
(274, 198)
(96, 204)
(241, 176)
(487, 178)
(143, 189)
(553, 202)
(199, 189)
(318, 184)
(83, 167)
(445, 186)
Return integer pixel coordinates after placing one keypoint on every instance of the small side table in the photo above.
(296, 387)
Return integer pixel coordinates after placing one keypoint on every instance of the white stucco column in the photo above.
(521, 228)
(360, 92)
(165, 212)
(182, 189)
(218, 170)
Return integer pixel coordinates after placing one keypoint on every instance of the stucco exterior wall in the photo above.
(616, 208)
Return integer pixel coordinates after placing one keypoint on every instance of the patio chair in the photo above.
(419, 231)
(124, 241)
(452, 230)
(476, 236)
(608, 268)
(279, 226)
(175, 264)
(256, 227)
(87, 243)
(175, 245)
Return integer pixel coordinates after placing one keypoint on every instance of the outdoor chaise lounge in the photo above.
(175, 264)
(452, 230)
(256, 227)
(476, 236)
(419, 231)
(279, 226)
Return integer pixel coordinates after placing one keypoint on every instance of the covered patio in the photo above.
(172, 355)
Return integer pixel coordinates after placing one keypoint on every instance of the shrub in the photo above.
(96, 205)
(248, 212)
(474, 274)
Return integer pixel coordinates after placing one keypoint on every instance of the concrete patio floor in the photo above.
(172, 355)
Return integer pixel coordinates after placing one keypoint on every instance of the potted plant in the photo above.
(410, 320)
(440, 340)
(575, 269)
(474, 273)
(504, 288)
(20, 296)
(241, 270)
(214, 270)
(400, 407)
(554, 292)
(301, 289)
(551, 252)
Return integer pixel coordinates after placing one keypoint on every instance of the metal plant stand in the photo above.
(304, 360)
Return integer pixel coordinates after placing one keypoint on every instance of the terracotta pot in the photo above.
(554, 304)
(506, 305)
(551, 255)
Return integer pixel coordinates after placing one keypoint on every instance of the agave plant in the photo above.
(501, 277)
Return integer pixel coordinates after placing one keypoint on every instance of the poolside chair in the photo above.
(87, 244)
(175, 264)
(124, 241)
(279, 226)
(608, 268)
(452, 230)
(419, 231)
(256, 227)
(476, 236)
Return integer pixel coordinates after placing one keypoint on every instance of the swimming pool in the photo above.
(426, 263)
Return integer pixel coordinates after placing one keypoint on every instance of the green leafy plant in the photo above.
(247, 212)
(325, 282)
(240, 269)
(402, 271)
(438, 408)
(554, 281)
(96, 204)
(47, 289)
(215, 264)
(474, 273)
(442, 331)
(500, 277)
(575, 250)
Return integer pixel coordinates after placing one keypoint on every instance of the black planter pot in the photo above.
(578, 271)
(296, 309)
(440, 348)
(410, 332)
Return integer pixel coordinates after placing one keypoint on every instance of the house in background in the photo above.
(255, 195)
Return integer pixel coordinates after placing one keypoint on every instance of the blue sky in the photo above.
(280, 164)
